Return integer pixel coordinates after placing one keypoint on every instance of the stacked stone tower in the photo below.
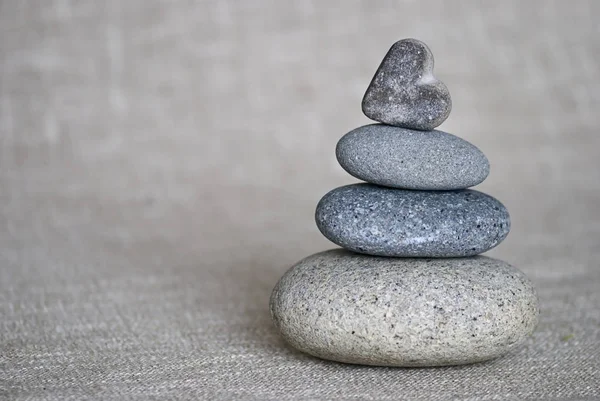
(408, 288)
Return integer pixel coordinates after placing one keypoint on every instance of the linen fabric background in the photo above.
(160, 162)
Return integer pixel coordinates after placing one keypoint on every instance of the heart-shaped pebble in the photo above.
(404, 91)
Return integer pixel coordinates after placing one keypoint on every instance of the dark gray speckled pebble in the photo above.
(403, 158)
(383, 221)
(360, 309)
(404, 91)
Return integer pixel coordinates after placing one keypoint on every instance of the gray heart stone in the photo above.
(404, 91)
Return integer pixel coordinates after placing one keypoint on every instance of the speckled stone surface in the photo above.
(369, 310)
(403, 158)
(404, 91)
(383, 221)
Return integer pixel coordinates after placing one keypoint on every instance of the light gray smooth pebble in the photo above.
(369, 310)
(403, 158)
(404, 91)
(381, 221)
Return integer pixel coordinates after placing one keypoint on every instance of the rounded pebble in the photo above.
(360, 309)
(404, 158)
(381, 221)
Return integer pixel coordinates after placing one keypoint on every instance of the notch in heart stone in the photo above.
(404, 91)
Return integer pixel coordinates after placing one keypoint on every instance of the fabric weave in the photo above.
(160, 163)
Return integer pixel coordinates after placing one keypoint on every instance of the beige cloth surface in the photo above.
(160, 162)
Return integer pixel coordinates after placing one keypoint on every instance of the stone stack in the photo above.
(408, 288)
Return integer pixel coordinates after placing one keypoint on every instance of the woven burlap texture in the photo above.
(160, 162)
